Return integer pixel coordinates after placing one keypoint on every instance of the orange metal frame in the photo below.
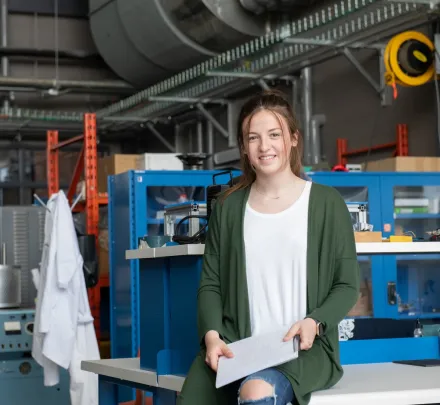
(400, 146)
(87, 164)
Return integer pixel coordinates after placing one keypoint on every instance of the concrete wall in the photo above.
(353, 110)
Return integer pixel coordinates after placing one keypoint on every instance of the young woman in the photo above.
(280, 252)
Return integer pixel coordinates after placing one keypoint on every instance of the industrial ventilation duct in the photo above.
(145, 41)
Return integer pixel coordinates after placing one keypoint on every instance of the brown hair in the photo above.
(277, 103)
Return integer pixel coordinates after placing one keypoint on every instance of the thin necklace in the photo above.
(268, 196)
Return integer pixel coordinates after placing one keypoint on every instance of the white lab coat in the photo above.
(64, 334)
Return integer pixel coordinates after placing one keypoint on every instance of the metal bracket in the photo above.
(249, 75)
(159, 136)
(219, 127)
(190, 100)
(380, 87)
(330, 43)
(263, 84)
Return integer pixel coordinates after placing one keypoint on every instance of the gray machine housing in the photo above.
(21, 378)
(22, 231)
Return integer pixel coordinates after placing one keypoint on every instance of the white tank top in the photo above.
(276, 265)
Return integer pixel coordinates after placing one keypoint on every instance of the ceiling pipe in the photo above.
(47, 84)
(48, 53)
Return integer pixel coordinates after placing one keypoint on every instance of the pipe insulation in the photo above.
(146, 41)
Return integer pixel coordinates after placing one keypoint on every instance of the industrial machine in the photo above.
(190, 217)
(358, 211)
(21, 378)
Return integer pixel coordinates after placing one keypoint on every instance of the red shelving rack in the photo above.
(87, 164)
(400, 146)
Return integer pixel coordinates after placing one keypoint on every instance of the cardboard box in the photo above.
(159, 161)
(404, 164)
(114, 164)
(363, 237)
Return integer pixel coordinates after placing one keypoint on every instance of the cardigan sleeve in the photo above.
(209, 302)
(344, 291)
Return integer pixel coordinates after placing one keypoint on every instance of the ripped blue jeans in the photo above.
(282, 389)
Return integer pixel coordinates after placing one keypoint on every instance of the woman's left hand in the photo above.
(306, 329)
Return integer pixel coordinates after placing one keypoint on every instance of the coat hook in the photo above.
(76, 200)
(41, 202)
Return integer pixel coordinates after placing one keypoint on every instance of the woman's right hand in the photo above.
(215, 347)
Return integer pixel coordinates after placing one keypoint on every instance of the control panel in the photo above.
(16, 330)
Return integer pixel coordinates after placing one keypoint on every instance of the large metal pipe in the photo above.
(8, 51)
(306, 76)
(200, 137)
(315, 138)
(146, 41)
(105, 85)
(210, 145)
(4, 43)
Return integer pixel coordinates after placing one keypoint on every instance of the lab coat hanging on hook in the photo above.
(64, 330)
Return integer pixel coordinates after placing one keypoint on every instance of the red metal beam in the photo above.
(92, 205)
(67, 142)
(361, 151)
(53, 183)
(400, 146)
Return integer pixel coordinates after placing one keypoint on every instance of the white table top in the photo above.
(168, 251)
(363, 384)
(378, 248)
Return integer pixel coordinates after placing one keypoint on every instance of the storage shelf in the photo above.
(361, 248)
(424, 315)
(417, 216)
(397, 247)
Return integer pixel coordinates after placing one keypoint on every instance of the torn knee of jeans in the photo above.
(254, 390)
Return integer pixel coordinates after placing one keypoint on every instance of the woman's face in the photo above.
(269, 143)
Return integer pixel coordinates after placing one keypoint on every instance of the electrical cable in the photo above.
(198, 237)
(408, 60)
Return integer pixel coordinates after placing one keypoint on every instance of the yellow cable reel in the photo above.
(409, 60)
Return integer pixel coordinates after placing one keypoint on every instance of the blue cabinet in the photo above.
(411, 206)
(398, 204)
(136, 204)
(363, 188)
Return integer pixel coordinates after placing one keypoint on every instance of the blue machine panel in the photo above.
(16, 329)
(21, 378)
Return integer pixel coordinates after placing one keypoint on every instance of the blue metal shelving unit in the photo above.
(408, 272)
(135, 199)
(417, 276)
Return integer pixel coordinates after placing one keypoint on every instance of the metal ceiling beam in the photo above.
(342, 24)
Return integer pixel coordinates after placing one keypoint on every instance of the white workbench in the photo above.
(366, 384)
